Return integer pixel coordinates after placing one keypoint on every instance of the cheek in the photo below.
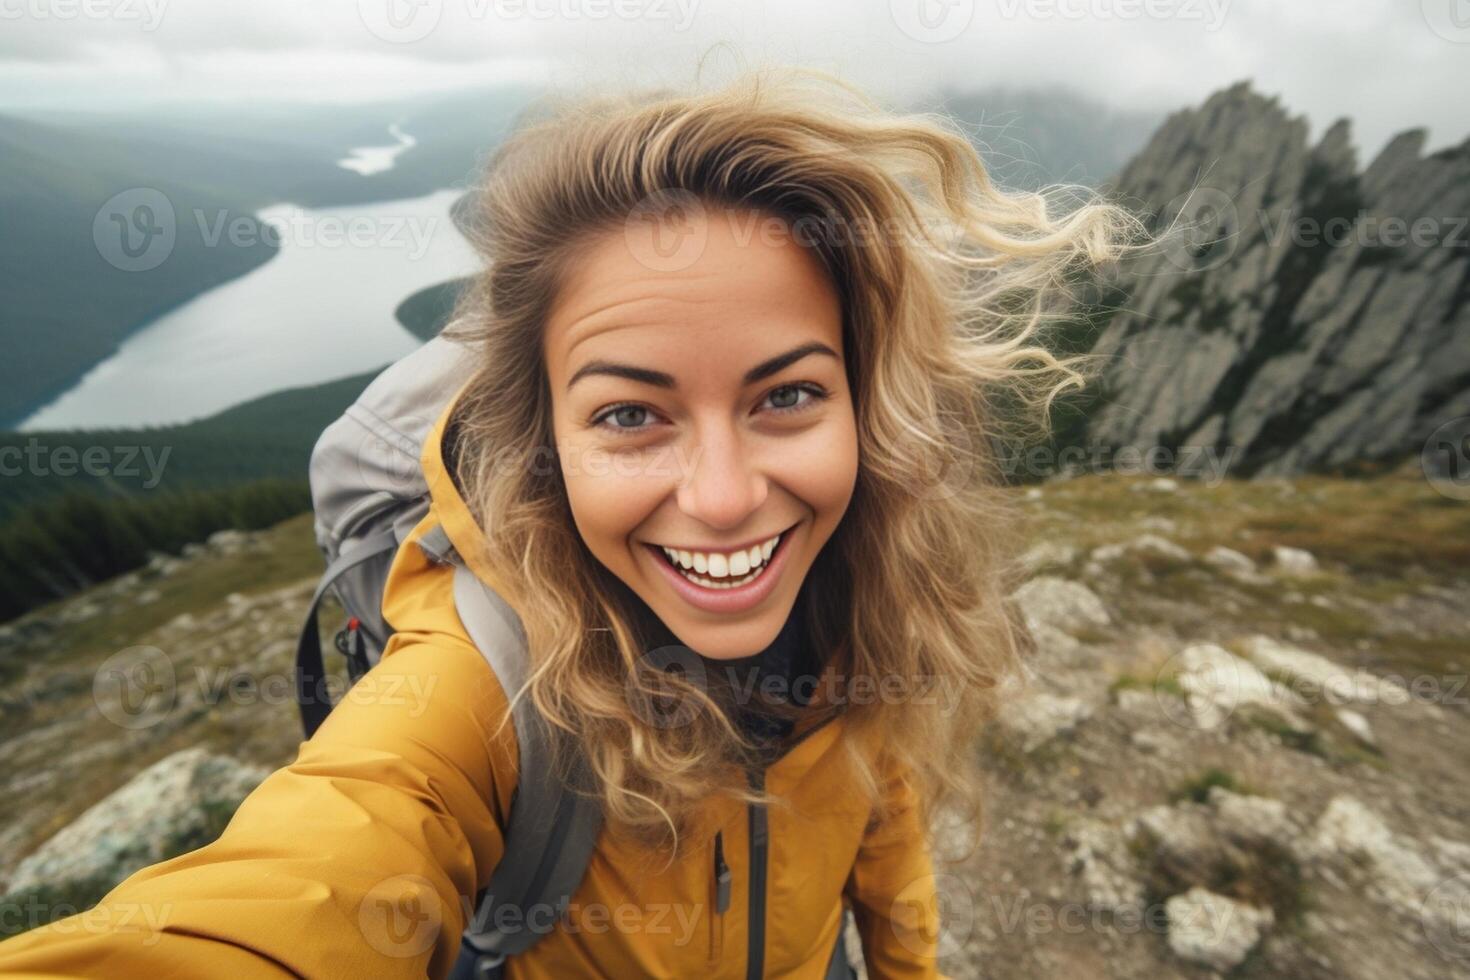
(820, 468)
(612, 493)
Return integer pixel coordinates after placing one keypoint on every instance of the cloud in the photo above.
(1382, 64)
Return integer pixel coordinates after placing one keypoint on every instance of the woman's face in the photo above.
(704, 409)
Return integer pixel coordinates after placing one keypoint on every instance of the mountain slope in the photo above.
(1304, 314)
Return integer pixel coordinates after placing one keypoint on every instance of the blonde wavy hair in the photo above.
(942, 301)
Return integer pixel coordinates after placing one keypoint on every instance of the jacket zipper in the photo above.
(759, 848)
(722, 881)
(759, 844)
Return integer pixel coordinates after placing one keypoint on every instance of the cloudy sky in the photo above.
(1387, 64)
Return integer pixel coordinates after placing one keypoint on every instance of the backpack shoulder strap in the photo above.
(312, 696)
(552, 830)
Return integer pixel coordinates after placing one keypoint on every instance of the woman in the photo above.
(768, 331)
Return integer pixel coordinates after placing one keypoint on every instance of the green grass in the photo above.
(1197, 787)
(290, 555)
(1166, 683)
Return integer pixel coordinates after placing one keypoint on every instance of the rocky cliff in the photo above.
(1300, 313)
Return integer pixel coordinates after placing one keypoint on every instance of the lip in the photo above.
(727, 601)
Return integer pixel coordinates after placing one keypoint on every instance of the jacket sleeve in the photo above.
(350, 861)
(893, 891)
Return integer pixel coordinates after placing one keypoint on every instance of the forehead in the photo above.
(743, 297)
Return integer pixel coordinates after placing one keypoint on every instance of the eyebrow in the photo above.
(661, 379)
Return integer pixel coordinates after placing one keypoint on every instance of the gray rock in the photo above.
(1358, 725)
(1182, 837)
(1217, 683)
(1163, 547)
(1293, 561)
(1146, 544)
(1060, 603)
(1248, 339)
(1037, 718)
(135, 826)
(1399, 873)
(1213, 930)
(1229, 560)
(1098, 855)
(1319, 677)
(1148, 740)
(1047, 554)
(1251, 820)
(229, 541)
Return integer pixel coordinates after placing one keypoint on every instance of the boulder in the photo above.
(1060, 603)
(1038, 718)
(1320, 677)
(1293, 561)
(1214, 930)
(1098, 855)
(168, 805)
(1216, 683)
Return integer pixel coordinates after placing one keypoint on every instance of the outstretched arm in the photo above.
(350, 861)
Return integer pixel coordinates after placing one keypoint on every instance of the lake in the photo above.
(321, 309)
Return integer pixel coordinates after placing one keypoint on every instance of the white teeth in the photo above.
(730, 566)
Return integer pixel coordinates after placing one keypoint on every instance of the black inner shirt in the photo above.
(778, 671)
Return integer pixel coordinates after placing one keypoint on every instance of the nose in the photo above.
(724, 484)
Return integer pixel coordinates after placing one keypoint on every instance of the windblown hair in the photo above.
(946, 283)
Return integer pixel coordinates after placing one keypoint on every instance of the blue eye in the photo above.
(816, 392)
(623, 412)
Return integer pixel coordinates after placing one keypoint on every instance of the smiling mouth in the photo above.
(721, 570)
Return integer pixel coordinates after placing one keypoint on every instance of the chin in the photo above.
(735, 640)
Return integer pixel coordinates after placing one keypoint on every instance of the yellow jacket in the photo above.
(363, 856)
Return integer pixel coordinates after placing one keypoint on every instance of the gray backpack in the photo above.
(368, 493)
